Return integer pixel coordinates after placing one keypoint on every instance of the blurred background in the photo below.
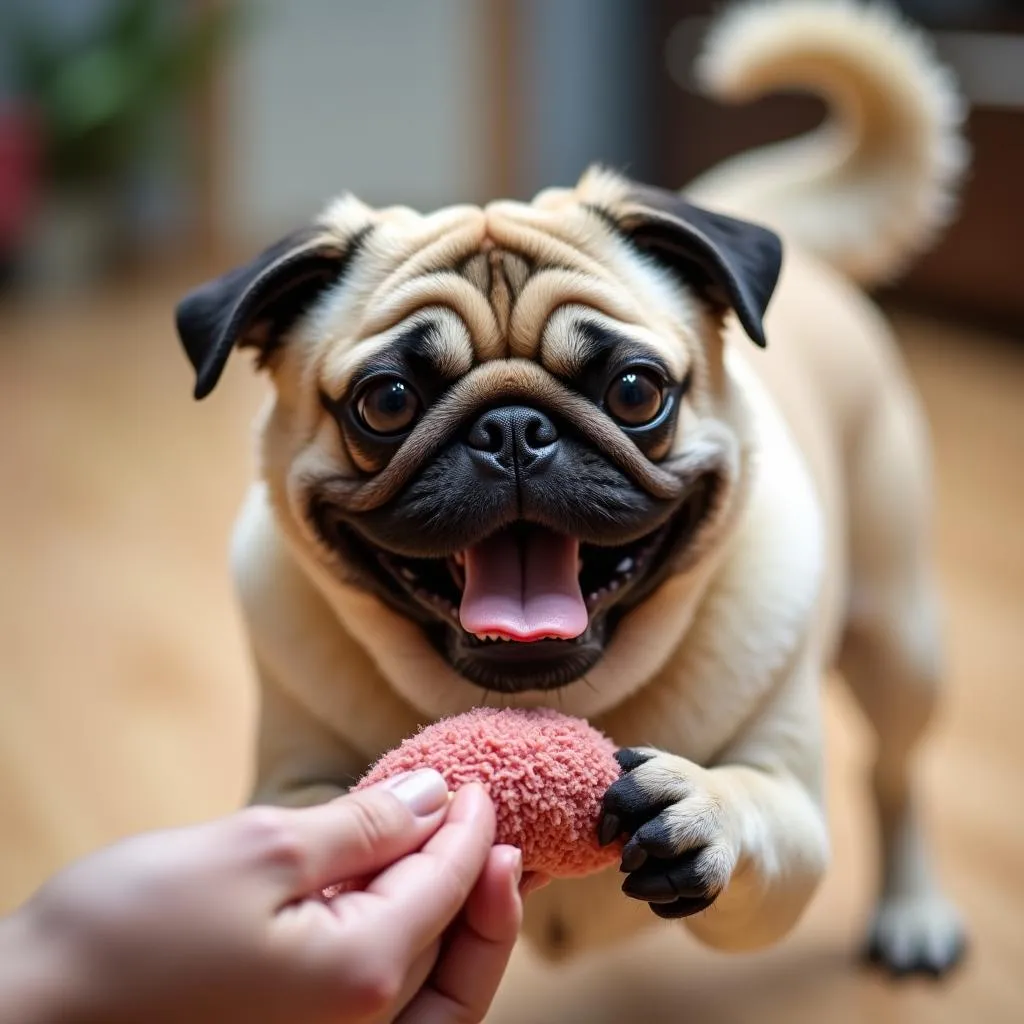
(147, 144)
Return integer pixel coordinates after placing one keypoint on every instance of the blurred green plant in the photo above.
(98, 97)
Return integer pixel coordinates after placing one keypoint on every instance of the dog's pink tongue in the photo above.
(524, 588)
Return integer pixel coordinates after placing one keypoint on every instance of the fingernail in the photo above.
(516, 856)
(424, 791)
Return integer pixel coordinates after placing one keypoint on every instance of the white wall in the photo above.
(385, 98)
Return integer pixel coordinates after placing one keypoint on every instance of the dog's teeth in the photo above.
(579, 566)
(459, 557)
(613, 586)
(407, 574)
(624, 566)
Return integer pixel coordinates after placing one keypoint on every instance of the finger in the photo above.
(355, 835)
(474, 958)
(415, 978)
(418, 897)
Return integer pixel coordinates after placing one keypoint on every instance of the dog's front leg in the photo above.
(747, 834)
(299, 761)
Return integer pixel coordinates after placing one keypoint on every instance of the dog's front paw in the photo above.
(679, 857)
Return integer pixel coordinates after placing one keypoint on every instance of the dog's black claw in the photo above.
(630, 758)
(627, 805)
(609, 828)
(633, 857)
(664, 881)
(683, 907)
(656, 838)
(630, 802)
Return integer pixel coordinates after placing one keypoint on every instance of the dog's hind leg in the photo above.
(892, 660)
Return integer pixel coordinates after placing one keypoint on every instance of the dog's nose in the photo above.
(512, 436)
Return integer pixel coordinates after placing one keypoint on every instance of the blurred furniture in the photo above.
(122, 172)
(19, 176)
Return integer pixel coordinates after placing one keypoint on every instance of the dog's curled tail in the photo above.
(871, 187)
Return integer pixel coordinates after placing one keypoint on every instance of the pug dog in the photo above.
(610, 451)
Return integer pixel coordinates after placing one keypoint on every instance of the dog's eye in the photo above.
(388, 407)
(635, 397)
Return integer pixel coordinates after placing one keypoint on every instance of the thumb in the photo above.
(357, 834)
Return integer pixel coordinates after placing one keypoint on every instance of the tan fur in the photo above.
(816, 553)
(872, 187)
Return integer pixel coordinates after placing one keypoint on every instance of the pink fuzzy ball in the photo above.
(545, 772)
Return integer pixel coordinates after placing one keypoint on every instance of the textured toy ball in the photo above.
(545, 772)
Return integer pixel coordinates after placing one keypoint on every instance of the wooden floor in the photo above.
(125, 699)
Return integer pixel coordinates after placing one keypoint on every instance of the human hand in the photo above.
(225, 922)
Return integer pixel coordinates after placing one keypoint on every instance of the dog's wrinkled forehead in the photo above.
(504, 271)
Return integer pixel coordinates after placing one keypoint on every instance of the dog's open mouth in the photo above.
(526, 607)
(525, 583)
(528, 583)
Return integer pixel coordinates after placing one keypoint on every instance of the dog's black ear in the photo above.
(255, 304)
(734, 263)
